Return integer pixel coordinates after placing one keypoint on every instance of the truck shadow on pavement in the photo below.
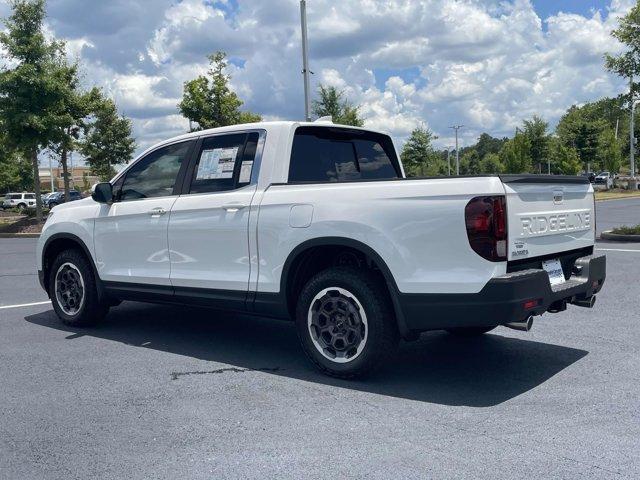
(439, 368)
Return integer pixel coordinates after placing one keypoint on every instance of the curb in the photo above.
(617, 237)
(19, 235)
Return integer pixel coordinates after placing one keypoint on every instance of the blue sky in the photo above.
(487, 64)
(546, 8)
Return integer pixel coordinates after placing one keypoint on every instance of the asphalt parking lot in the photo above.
(173, 392)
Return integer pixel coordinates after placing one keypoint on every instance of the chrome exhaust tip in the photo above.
(523, 326)
(585, 302)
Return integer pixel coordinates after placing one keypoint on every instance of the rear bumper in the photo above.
(502, 299)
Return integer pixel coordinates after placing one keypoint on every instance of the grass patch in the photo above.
(616, 193)
(625, 230)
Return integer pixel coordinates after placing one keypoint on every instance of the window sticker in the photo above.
(217, 163)
(245, 171)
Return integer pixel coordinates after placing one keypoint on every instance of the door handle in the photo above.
(233, 207)
(156, 212)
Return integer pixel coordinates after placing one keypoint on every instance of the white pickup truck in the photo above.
(315, 222)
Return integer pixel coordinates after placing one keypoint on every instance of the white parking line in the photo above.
(617, 250)
(4, 307)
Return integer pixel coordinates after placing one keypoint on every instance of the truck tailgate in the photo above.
(548, 214)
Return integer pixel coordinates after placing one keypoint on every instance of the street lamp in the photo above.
(305, 60)
(456, 128)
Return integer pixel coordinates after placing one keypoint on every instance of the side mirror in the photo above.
(102, 192)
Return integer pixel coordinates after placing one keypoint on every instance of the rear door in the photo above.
(548, 214)
(30, 199)
(209, 224)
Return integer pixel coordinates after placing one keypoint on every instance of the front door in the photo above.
(209, 224)
(131, 234)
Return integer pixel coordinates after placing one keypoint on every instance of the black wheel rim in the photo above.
(69, 289)
(337, 325)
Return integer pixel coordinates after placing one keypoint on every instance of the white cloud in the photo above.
(486, 64)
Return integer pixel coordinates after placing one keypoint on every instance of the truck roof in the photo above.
(279, 125)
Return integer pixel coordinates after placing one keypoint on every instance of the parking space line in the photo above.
(4, 307)
(617, 250)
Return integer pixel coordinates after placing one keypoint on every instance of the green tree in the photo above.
(418, 156)
(79, 106)
(15, 171)
(515, 154)
(577, 129)
(33, 86)
(564, 159)
(332, 103)
(470, 162)
(627, 63)
(209, 101)
(491, 164)
(608, 153)
(107, 140)
(536, 132)
(488, 144)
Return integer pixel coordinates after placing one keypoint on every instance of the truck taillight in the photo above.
(486, 219)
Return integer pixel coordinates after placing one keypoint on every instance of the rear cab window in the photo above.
(327, 154)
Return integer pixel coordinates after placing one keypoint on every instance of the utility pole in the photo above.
(449, 158)
(51, 173)
(456, 128)
(305, 60)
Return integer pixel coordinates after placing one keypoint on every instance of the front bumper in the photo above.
(503, 299)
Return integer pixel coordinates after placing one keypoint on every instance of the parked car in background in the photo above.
(20, 201)
(56, 198)
(590, 175)
(604, 178)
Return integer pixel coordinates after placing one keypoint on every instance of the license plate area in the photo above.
(554, 270)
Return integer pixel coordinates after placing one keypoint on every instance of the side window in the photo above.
(322, 154)
(224, 162)
(29, 196)
(155, 175)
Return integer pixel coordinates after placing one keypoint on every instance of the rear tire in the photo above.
(73, 291)
(345, 322)
(469, 331)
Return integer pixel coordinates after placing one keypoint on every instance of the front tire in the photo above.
(73, 291)
(345, 322)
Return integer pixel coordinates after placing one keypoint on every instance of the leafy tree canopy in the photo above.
(209, 102)
(108, 140)
(332, 103)
(418, 155)
(34, 86)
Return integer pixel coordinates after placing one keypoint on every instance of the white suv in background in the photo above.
(19, 200)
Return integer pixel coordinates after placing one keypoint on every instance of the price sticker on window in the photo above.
(217, 163)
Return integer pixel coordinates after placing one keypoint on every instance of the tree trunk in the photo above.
(36, 184)
(65, 173)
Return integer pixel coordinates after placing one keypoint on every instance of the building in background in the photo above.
(80, 178)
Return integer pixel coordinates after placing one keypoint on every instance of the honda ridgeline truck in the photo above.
(317, 223)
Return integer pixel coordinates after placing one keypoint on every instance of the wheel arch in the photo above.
(304, 252)
(59, 242)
